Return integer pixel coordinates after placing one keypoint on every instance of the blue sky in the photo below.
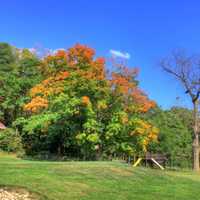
(145, 30)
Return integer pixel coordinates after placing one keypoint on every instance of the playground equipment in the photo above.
(157, 159)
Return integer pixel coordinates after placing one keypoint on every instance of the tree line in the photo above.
(67, 103)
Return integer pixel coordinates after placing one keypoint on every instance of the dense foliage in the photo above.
(18, 73)
(10, 141)
(66, 103)
(175, 137)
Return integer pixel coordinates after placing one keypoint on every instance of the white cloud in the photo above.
(120, 54)
(56, 50)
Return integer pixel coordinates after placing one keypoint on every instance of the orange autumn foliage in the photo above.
(92, 68)
(51, 86)
(53, 62)
(79, 58)
(62, 76)
(85, 100)
(58, 55)
(61, 54)
(36, 104)
(122, 78)
(99, 68)
(142, 101)
(80, 54)
(122, 82)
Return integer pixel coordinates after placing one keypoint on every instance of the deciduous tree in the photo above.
(186, 69)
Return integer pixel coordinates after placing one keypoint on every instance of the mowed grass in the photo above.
(97, 180)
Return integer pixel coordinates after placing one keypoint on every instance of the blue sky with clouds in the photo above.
(140, 31)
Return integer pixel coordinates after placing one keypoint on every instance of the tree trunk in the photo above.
(195, 145)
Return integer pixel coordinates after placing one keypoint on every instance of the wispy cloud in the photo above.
(120, 54)
(56, 50)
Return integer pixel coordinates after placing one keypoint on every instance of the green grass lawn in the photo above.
(97, 180)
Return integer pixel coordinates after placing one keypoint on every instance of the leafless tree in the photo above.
(186, 69)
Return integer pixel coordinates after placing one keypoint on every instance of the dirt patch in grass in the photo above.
(9, 193)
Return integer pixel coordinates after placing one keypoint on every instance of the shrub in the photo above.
(10, 141)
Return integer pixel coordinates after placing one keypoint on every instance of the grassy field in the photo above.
(97, 180)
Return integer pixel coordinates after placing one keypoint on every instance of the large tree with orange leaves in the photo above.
(79, 110)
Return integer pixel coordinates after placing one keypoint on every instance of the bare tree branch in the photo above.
(186, 69)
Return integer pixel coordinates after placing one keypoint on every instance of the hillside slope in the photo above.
(97, 180)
